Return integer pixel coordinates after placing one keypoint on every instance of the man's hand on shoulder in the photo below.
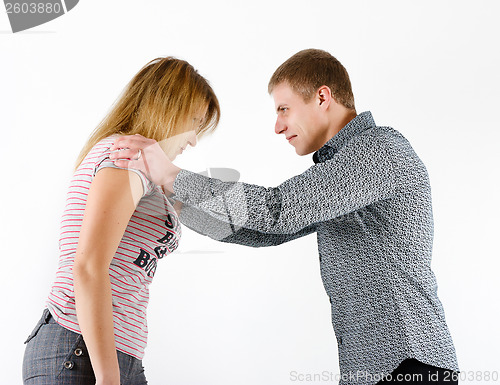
(146, 155)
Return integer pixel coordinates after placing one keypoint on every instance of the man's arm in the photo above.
(205, 224)
(360, 174)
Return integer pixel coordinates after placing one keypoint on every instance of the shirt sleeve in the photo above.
(104, 161)
(359, 174)
(206, 224)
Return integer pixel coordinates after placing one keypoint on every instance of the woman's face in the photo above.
(175, 145)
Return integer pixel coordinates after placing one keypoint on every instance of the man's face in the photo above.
(303, 124)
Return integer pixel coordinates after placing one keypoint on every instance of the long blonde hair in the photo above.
(157, 102)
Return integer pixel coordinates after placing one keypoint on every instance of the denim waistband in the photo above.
(47, 317)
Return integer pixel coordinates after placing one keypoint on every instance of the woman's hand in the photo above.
(146, 155)
(111, 381)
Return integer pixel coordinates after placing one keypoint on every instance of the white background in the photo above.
(226, 314)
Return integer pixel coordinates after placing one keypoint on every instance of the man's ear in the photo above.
(324, 96)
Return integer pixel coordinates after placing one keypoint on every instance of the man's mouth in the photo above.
(290, 137)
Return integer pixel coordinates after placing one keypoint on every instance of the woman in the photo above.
(115, 227)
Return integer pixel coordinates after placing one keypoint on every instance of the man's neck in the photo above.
(340, 120)
(345, 119)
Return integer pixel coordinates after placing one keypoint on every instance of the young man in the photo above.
(368, 199)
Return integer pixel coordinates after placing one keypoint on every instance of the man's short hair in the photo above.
(308, 70)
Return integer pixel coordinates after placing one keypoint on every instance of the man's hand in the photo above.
(146, 155)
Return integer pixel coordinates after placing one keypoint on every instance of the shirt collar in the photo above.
(356, 126)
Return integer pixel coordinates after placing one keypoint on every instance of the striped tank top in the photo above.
(152, 232)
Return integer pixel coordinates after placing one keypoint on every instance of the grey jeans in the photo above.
(55, 356)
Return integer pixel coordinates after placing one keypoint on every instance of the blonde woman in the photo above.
(116, 227)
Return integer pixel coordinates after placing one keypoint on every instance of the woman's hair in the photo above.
(157, 103)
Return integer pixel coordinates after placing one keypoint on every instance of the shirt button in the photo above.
(78, 352)
(69, 365)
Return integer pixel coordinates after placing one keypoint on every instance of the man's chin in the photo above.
(302, 152)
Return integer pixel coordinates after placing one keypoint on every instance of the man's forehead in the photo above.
(283, 93)
(282, 88)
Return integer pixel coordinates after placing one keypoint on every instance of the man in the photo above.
(368, 199)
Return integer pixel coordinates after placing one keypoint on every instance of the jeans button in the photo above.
(78, 352)
(69, 365)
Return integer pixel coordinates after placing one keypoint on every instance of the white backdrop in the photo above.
(225, 314)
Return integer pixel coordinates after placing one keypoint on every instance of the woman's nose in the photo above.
(192, 140)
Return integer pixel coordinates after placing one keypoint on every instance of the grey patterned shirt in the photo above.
(368, 199)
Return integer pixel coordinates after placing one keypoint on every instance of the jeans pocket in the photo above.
(45, 317)
(47, 351)
(76, 363)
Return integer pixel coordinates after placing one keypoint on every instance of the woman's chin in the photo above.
(173, 156)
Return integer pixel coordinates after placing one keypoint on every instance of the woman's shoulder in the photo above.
(103, 145)
(99, 151)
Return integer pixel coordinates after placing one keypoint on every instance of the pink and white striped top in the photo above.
(153, 232)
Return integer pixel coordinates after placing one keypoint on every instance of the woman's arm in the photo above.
(111, 201)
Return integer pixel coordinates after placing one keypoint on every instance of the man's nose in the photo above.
(279, 127)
